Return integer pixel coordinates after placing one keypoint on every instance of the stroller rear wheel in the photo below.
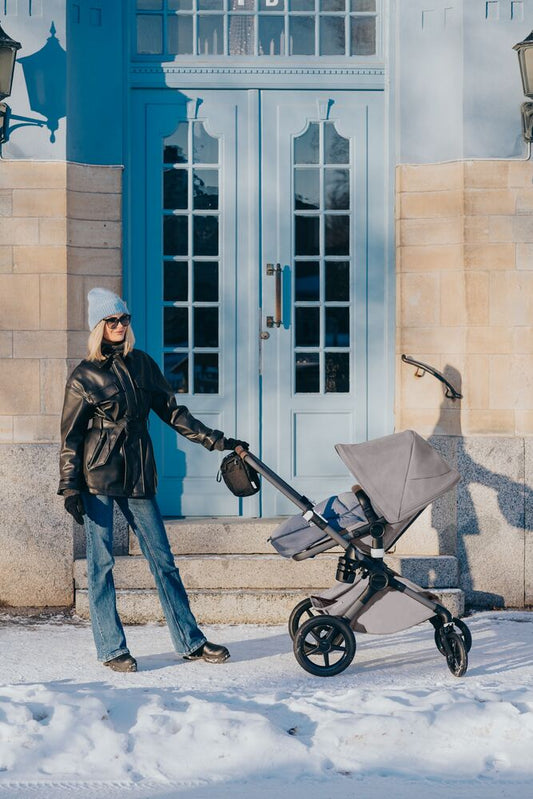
(464, 632)
(301, 612)
(324, 645)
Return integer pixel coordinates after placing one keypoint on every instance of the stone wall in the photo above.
(465, 306)
(60, 235)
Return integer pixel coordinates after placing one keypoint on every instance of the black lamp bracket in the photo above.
(6, 128)
(422, 368)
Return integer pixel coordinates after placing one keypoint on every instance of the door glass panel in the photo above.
(302, 5)
(176, 370)
(210, 38)
(307, 372)
(180, 35)
(307, 327)
(363, 5)
(210, 5)
(176, 327)
(205, 281)
(301, 35)
(149, 5)
(175, 235)
(322, 312)
(337, 235)
(271, 35)
(176, 281)
(337, 281)
(206, 327)
(205, 147)
(241, 34)
(363, 35)
(191, 224)
(206, 373)
(205, 188)
(307, 281)
(336, 147)
(306, 233)
(332, 5)
(337, 189)
(205, 235)
(306, 146)
(307, 189)
(332, 36)
(176, 147)
(179, 5)
(337, 327)
(337, 372)
(175, 193)
(149, 34)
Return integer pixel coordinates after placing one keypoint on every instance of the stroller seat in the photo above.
(295, 535)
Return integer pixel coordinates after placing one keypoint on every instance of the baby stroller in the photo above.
(398, 477)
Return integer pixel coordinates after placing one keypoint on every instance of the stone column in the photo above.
(465, 306)
(60, 235)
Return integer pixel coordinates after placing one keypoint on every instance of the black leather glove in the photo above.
(231, 443)
(74, 506)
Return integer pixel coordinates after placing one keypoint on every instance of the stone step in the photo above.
(224, 572)
(216, 536)
(228, 536)
(231, 606)
(428, 571)
(268, 571)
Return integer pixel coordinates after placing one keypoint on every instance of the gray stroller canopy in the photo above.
(400, 473)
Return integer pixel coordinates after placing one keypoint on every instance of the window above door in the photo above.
(264, 29)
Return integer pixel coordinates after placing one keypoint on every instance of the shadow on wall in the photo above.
(45, 74)
(511, 497)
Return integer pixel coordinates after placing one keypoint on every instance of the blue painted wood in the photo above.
(187, 472)
(257, 396)
(303, 428)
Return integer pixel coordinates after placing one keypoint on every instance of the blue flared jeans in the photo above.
(145, 520)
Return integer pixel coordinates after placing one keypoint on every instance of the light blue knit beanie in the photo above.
(102, 303)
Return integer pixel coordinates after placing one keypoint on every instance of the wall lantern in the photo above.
(525, 61)
(8, 55)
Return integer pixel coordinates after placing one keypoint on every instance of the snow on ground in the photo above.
(395, 724)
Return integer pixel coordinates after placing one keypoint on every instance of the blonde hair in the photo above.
(96, 336)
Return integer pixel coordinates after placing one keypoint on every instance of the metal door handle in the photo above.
(275, 321)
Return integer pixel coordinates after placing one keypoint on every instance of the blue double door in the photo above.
(258, 245)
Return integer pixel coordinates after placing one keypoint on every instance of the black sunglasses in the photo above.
(114, 321)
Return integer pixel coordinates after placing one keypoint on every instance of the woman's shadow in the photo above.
(493, 509)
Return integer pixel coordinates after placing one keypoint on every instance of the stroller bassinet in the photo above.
(398, 477)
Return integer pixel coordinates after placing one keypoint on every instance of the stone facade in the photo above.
(465, 289)
(60, 234)
(465, 306)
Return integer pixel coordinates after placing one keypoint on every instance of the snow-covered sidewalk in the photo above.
(396, 723)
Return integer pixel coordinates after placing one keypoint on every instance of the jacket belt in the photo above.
(129, 425)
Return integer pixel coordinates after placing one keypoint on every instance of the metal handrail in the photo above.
(421, 368)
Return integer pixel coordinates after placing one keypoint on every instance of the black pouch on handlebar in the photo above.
(241, 479)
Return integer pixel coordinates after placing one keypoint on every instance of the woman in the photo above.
(107, 457)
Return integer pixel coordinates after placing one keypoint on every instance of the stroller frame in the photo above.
(452, 637)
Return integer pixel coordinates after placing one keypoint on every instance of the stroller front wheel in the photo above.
(300, 613)
(324, 645)
(457, 660)
(463, 632)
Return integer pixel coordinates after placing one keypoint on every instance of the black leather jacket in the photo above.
(105, 445)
